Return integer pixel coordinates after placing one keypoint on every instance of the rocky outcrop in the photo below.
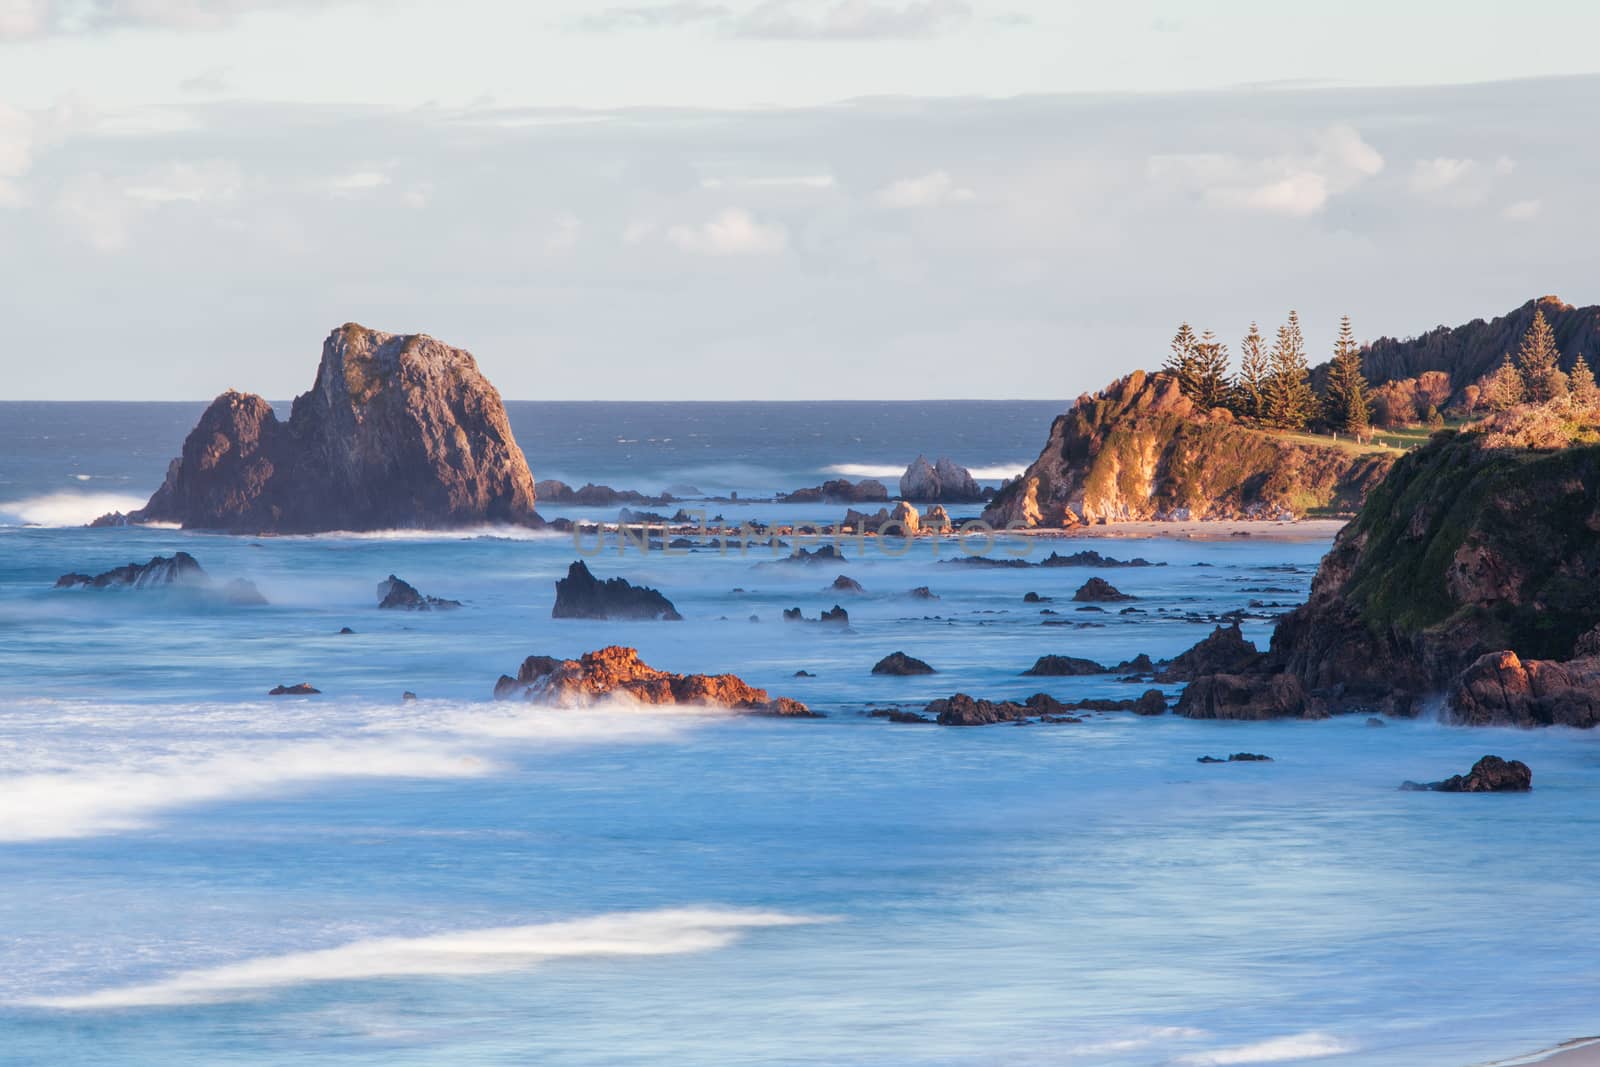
(1491, 774)
(845, 584)
(1063, 667)
(551, 491)
(1140, 450)
(835, 616)
(299, 689)
(898, 663)
(396, 594)
(1099, 591)
(1237, 757)
(180, 571)
(1471, 572)
(580, 595)
(398, 431)
(618, 673)
(1225, 651)
(943, 482)
(902, 519)
(839, 491)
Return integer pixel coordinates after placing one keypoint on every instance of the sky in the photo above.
(770, 199)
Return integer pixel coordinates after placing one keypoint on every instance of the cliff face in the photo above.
(1465, 551)
(1140, 450)
(1470, 351)
(397, 431)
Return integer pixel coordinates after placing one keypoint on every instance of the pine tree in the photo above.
(1211, 385)
(1581, 385)
(1346, 394)
(1181, 363)
(1250, 392)
(1503, 389)
(1290, 401)
(1539, 360)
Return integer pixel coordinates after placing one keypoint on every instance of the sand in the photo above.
(1583, 1052)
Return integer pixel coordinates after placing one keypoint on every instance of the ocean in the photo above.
(193, 872)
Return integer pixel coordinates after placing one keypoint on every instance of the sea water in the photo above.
(193, 872)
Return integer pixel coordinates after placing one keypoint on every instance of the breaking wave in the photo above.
(65, 509)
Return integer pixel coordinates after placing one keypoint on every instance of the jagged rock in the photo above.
(550, 491)
(922, 592)
(1140, 664)
(1063, 667)
(1034, 598)
(1225, 651)
(944, 481)
(937, 518)
(959, 709)
(1232, 696)
(845, 584)
(395, 594)
(803, 674)
(300, 689)
(618, 672)
(808, 556)
(836, 616)
(839, 491)
(1086, 558)
(898, 663)
(1140, 450)
(1237, 757)
(408, 697)
(1491, 774)
(180, 569)
(580, 595)
(398, 431)
(242, 592)
(1098, 590)
(896, 715)
(1502, 689)
(1151, 702)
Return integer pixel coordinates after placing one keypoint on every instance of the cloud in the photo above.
(780, 181)
(1522, 210)
(16, 149)
(195, 183)
(733, 232)
(665, 932)
(792, 20)
(357, 183)
(1297, 183)
(564, 234)
(210, 82)
(93, 209)
(927, 190)
(27, 19)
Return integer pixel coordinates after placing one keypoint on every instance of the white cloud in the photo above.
(781, 181)
(859, 20)
(564, 234)
(357, 183)
(24, 19)
(1522, 210)
(1297, 183)
(733, 232)
(94, 210)
(16, 148)
(215, 180)
(652, 16)
(927, 190)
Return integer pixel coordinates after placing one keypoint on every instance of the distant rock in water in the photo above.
(820, 554)
(551, 491)
(397, 432)
(1139, 449)
(901, 664)
(396, 594)
(580, 595)
(1237, 757)
(1099, 591)
(942, 482)
(836, 616)
(839, 491)
(922, 592)
(1063, 667)
(845, 584)
(1491, 774)
(180, 571)
(300, 689)
(618, 672)
(1086, 558)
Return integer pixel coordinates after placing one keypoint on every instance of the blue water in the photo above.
(191, 872)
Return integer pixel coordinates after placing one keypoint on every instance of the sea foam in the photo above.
(65, 509)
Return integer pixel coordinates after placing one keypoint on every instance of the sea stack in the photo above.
(398, 431)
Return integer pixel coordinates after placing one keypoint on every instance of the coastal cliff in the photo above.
(397, 431)
(1140, 449)
(1469, 574)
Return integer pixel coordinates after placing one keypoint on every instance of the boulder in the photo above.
(1500, 688)
(395, 594)
(959, 709)
(180, 569)
(898, 663)
(580, 595)
(897, 715)
(835, 616)
(398, 431)
(300, 689)
(617, 672)
(845, 584)
(1099, 591)
(1063, 667)
(922, 592)
(1491, 774)
(944, 481)
(1233, 696)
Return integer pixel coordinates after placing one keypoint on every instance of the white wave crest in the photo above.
(998, 473)
(65, 509)
(466, 952)
(1307, 1046)
(106, 773)
(864, 470)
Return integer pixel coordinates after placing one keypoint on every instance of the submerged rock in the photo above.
(898, 663)
(617, 672)
(922, 592)
(1063, 667)
(580, 595)
(1237, 757)
(839, 491)
(1491, 774)
(845, 584)
(178, 569)
(398, 431)
(836, 616)
(300, 689)
(396, 594)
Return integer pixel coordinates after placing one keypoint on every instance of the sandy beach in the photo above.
(1581, 1052)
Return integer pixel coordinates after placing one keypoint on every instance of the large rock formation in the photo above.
(580, 595)
(1471, 572)
(397, 431)
(944, 482)
(618, 672)
(1140, 450)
